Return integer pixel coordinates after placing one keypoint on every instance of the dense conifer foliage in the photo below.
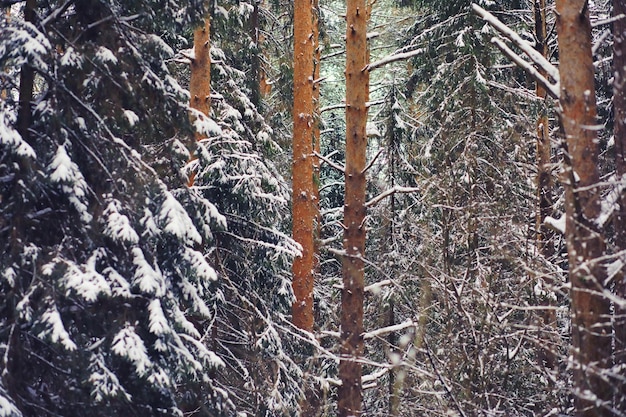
(118, 281)
(468, 258)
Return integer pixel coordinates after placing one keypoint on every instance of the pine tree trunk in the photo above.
(619, 106)
(200, 81)
(544, 180)
(357, 90)
(591, 327)
(304, 196)
(544, 177)
(316, 126)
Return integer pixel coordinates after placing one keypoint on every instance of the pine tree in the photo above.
(353, 269)
(591, 333)
(303, 188)
(106, 294)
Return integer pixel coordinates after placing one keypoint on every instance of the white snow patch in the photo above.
(55, 329)
(85, 280)
(66, 173)
(117, 226)
(131, 117)
(119, 285)
(196, 259)
(158, 322)
(146, 278)
(106, 56)
(104, 382)
(7, 407)
(71, 59)
(556, 224)
(175, 220)
(128, 345)
(11, 140)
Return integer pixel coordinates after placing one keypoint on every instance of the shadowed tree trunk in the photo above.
(591, 327)
(357, 90)
(304, 195)
(544, 177)
(200, 81)
(544, 180)
(619, 107)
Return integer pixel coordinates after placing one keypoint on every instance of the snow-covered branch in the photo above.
(389, 329)
(552, 89)
(557, 225)
(333, 107)
(392, 58)
(369, 381)
(375, 288)
(526, 47)
(329, 162)
(391, 191)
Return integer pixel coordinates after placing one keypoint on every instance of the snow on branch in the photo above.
(375, 288)
(389, 329)
(526, 47)
(392, 58)
(391, 191)
(557, 225)
(369, 381)
(552, 89)
(608, 21)
(329, 162)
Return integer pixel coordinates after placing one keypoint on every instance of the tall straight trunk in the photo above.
(304, 197)
(619, 107)
(200, 81)
(317, 59)
(357, 90)
(591, 326)
(544, 180)
(544, 177)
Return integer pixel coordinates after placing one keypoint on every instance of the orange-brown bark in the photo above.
(591, 327)
(357, 90)
(619, 107)
(544, 176)
(304, 198)
(200, 81)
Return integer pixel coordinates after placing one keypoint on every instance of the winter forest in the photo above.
(352, 208)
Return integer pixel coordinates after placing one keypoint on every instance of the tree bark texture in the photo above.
(357, 90)
(544, 180)
(304, 198)
(619, 131)
(200, 80)
(591, 326)
(544, 177)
